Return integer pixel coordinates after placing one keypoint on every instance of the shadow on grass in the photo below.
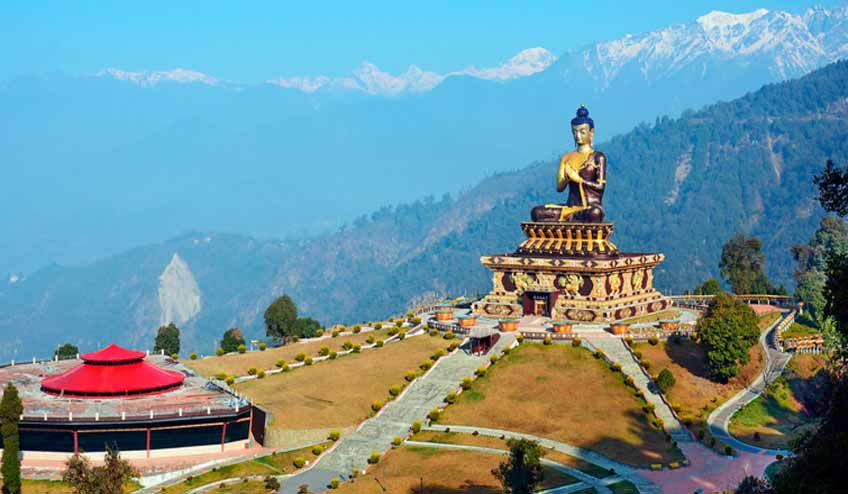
(689, 355)
(467, 487)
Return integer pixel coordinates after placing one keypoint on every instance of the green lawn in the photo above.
(624, 488)
(799, 329)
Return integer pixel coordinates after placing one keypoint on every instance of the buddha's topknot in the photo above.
(583, 118)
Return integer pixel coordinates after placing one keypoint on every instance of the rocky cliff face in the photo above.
(179, 295)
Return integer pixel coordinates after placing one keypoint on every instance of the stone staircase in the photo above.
(617, 351)
(376, 434)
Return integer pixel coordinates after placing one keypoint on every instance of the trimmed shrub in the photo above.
(260, 374)
(629, 381)
(319, 333)
(281, 363)
(308, 361)
(656, 466)
(416, 427)
(335, 333)
(221, 376)
(467, 382)
(548, 340)
(451, 397)
(300, 357)
(374, 458)
(398, 323)
(376, 405)
(653, 340)
(333, 355)
(347, 345)
(251, 371)
(401, 335)
(616, 367)
(193, 355)
(392, 331)
(230, 380)
(453, 346)
(519, 338)
(646, 364)
(378, 325)
(434, 415)
(370, 339)
(637, 354)
(324, 351)
(334, 483)
(317, 450)
(285, 368)
(493, 358)
(242, 348)
(439, 354)
(426, 365)
(576, 342)
(219, 351)
(481, 371)
(629, 340)
(334, 436)
(416, 320)
(506, 351)
(395, 389)
(175, 356)
(357, 328)
(355, 472)
(449, 335)
(379, 343)
(357, 348)
(434, 332)
(299, 462)
(262, 346)
(598, 354)
(410, 376)
(728, 451)
(397, 441)
(665, 380)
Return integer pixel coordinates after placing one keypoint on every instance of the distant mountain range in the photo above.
(679, 186)
(102, 163)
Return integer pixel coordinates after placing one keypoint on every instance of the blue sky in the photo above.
(254, 41)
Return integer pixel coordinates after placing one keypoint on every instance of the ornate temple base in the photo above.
(573, 274)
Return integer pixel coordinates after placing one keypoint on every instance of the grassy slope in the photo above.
(565, 394)
(237, 364)
(787, 409)
(338, 393)
(444, 471)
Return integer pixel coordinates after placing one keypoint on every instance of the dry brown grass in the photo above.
(565, 394)
(498, 443)
(656, 316)
(237, 364)
(695, 395)
(338, 393)
(443, 471)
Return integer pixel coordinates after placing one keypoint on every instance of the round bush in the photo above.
(193, 355)
(376, 405)
(347, 345)
(220, 351)
(449, 335)
(576, 342)
(374, 458)
(299, 462)
(467, 382)
(493, 358)
(416, 320)
(396, 441)
(395, 390)
(481, 371)
(357, 328)
(434, 332)
(378, 325)
(646, 364)
(308, 361)
(281, 363)
(319, 332)
(416, 427)
(335, 333)
(221, 376)
(357, 348)
(230, 380)
(434, 415)
(262, 346)
(334, 483)
(175, 356)
(401, 335)
(379, 343)
(324, 351)
(616, 367)
(300, 357)
(453, 346)
(519, 338)
(333, 355)
(410, 376)
(334, 436)
(242, 348)
(251, 371)
(370, 339)
(548, 340)
(666, 380)
(653, 340)
(426, 365)
(317, 450)
(438, 354)
(451, 397)
(260, 374)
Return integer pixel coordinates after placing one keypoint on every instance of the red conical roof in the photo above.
(113, 354)
(112, 371)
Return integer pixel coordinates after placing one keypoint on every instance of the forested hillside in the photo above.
(677, 186)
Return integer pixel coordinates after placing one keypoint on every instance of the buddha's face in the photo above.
(583, 134)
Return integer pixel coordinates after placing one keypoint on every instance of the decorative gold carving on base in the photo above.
(567, 239)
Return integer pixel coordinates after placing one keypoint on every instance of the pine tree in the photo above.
(11, 409)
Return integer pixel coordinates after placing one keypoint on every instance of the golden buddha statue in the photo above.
(584, 172)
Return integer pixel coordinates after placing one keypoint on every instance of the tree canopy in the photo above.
(11, 409)
(108, 478)
(830, 239)
(280, 318)
(168, 339)
(710, 287)
(727, 330)
(233, 337)
(522, 471)
(66, 351)
(742, 264)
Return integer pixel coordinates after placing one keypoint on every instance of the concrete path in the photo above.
(625, 471)
(376, 434)
(775, 364)
(617, 351)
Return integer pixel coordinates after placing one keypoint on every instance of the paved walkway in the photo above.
(720, 417)
(617, 351)
(627, 472)
(376, 434)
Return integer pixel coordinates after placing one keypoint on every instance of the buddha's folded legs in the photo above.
(561, 212)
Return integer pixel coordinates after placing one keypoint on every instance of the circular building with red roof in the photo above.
(112, 371)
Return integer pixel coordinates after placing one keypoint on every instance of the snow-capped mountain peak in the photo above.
(527, 62)
(722, 20)
(152, 78)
